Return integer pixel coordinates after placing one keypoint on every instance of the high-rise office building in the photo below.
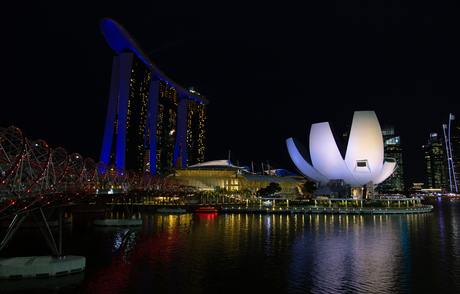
(452, 147)
(152, 122)
(392, 149)
(435, 162)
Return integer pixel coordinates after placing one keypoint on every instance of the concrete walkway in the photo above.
(40, 266)
(331, 210)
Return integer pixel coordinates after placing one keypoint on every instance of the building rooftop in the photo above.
(120, 41)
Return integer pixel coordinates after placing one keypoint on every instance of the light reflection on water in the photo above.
(299, 253)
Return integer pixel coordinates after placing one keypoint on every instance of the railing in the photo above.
(332, 210)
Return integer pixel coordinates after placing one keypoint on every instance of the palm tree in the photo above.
(223, 192)
(202, 193)
(207, 194)
(235, 192)
(215, 196)
(245, 192)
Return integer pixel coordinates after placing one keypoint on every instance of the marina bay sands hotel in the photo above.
(152, 122)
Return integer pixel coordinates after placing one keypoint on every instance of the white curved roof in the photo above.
(325, 155)
(365, 143)
(388, 168)
(304, 167)
(364, 160)
(221, 163)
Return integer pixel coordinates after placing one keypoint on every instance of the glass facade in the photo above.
(168, 99)
(452, 148)
(196, 117)
(392, 149)
(214, 179)
(152, 107)
(455, 145)
(137, 114)
(435, 163)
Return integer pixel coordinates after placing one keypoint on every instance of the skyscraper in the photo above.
(452, 143)
(435, 162)
(392, 149)
(152, 122)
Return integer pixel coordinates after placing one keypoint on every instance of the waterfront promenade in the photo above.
(307, 209)
(331, 210)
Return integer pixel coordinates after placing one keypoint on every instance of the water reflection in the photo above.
(288, 253)
(134, 256)
(253, 253)
(341, 253)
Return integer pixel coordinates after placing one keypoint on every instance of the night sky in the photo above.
(269, 70)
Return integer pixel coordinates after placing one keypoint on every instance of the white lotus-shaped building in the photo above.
(362, 162)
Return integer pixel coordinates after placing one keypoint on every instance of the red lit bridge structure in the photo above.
(34, 176)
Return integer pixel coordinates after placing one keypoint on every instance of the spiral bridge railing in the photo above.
(34, 175)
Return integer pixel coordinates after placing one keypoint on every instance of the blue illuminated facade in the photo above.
(152, 123)
(452, 143)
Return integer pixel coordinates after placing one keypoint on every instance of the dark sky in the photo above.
(270, 70)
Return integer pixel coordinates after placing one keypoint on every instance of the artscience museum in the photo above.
(359, 163)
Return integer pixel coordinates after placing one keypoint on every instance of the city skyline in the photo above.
(268, 73)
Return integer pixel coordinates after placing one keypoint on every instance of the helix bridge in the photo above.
(34, 177)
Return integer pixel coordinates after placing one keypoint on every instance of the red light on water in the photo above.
(207, 216)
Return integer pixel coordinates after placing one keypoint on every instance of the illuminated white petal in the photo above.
(363, 161)
(365, 144)
(304, 167)
(389, 167)
(325, 156)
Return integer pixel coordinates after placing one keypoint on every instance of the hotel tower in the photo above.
(152, 123)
